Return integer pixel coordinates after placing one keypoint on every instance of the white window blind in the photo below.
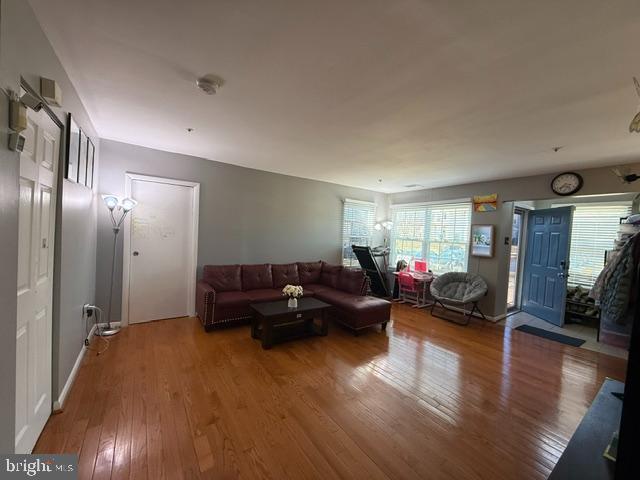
(595, 227)
(436, 233)
(358, 220)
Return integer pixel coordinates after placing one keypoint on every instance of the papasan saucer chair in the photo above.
(458, 289)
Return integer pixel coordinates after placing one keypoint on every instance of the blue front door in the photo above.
(546, 265)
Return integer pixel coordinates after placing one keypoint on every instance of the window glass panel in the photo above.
(436, 233)
(595, 228)
(358, 220)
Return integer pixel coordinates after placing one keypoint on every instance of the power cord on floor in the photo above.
(97, 314)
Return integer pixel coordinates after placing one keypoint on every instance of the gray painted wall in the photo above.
(25, 51)
(76, 277)
(495, 270)
(244, 215)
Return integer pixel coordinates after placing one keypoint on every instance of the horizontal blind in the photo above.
(358, 221)
(448, 239)
(408, 233)
(595, 227)
(438, 233)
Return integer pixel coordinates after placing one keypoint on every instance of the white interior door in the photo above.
(36, 227)
(161, 249)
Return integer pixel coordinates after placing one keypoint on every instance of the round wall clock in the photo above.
(566, 183)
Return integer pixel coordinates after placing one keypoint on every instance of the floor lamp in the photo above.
(117, 207)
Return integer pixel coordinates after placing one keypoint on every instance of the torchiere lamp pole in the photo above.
(122, 207)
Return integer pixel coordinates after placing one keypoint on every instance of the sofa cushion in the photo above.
(309, 272)
(286, 274)
(331, 295)
(352, 280)
(330, 274)
(256, 277)
(360, 311)
(459, 287)
(311, 289)
(357, 311)
(264, 295)
(223, 278)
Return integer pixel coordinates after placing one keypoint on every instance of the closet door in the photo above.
(36, 228)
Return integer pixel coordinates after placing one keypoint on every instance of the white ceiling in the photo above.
(407, 91)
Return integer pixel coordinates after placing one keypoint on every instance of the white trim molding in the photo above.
(434, 202)
(490, 318)
(126, 243)
(351, 200)
(58, 404)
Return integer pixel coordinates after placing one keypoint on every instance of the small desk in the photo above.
(423, 279)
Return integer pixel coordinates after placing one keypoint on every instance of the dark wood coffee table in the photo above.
(289, 323)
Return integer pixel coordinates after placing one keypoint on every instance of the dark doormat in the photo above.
(556, 337)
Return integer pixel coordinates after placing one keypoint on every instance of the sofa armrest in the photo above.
(205, 300)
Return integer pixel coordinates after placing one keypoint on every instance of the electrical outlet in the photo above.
(87, 310)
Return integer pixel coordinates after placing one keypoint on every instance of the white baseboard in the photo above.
(490, 318)
(59, 403)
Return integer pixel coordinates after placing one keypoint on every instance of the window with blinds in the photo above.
(595, 227)
(358, 220)
(438, 234)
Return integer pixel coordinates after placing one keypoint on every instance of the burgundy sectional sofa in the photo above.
(224, 293)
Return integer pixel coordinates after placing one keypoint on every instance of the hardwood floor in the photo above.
(425, 399)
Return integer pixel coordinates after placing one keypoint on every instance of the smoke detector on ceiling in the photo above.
(209, 84)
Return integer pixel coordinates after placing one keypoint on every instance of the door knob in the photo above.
(136, 253)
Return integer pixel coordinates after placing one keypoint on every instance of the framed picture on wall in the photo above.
(482, 240)
(82, 164)
(73, 150)
(91, 151)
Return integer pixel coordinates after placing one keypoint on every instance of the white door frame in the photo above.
(126, 247)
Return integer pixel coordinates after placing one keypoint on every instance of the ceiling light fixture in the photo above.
(209, 84)
(388, 224)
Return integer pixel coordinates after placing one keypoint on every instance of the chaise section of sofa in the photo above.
(225, 292)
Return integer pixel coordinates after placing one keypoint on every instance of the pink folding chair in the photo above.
(420, 266)
(408, 290)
